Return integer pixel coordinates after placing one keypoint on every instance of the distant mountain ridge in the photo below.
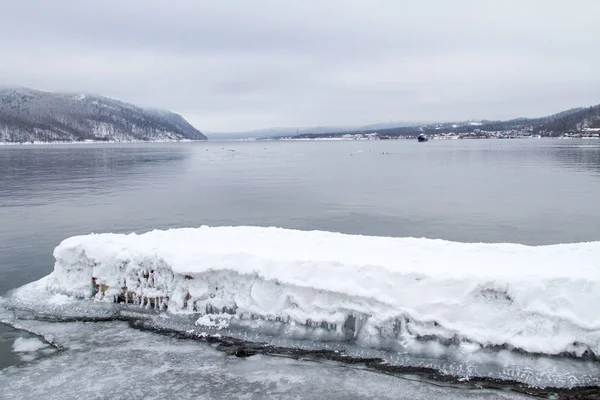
(568, 121)
(32, 115)
(576, 120)
(293, 131)
(277, 131)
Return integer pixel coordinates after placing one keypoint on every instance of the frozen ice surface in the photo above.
(34, 300)
(103, 360)
(462, 360)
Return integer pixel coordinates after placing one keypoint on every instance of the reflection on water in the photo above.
(582, 157)
(76, 170)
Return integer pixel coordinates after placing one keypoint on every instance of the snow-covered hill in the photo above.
(32, 115)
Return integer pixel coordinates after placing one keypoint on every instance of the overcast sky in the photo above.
(248, 64)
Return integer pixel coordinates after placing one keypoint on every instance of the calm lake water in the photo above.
(524, 191)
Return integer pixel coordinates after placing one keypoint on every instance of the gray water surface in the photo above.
(524, 191)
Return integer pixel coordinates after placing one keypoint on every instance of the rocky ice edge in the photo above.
(376, 291)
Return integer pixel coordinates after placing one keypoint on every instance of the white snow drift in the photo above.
(376, 291)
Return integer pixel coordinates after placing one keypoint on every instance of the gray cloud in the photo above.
(239, 65)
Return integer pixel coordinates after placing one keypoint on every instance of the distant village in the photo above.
(526, 133)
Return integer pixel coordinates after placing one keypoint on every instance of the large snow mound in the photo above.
(374, 291)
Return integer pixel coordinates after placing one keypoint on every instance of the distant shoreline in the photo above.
(286, 139)
(401, 138)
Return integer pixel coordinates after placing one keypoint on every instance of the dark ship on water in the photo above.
(422, 138)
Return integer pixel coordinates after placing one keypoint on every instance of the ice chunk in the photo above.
(24, 345)
(375, 291)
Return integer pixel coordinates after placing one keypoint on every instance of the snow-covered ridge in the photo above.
(28, 115)
(375, 291)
